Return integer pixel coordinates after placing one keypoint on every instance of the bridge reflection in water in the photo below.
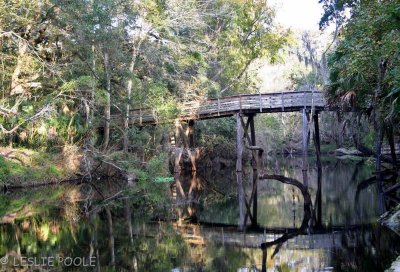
(322, 240)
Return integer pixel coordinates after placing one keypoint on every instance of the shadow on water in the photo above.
(329, 226)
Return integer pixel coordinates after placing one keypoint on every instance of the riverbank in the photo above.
(19, 167)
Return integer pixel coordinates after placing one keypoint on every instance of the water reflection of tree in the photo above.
(40, 236)
(226, 258)
(366, 249)
(305, 222)
(387, 197)
(338, 184)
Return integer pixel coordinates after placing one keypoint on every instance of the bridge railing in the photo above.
(211, 108)
(260, 102)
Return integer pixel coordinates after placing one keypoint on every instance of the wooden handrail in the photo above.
(246, 103)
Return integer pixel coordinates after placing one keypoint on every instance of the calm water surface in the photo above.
(116, 236)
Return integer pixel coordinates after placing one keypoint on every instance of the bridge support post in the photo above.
(190, 133)
(305, 146)
(317, 141)
(184, 142)
(178, 149)
(191, 144)
(255, 170)
(251, 205)
(318, 200)
(317, 144)
(239, 171)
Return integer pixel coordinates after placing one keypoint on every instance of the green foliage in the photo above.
(157, 165)
(364, 66)
(300, 78)
(334, 11)
(164, 179)
(369, 140)
(9, 169)
(58, 57)
(224, 127)
(271, 125)
(249, 35)
(160, 99)
(146, 191)
(217, 136)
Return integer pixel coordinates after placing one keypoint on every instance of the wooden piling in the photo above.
(317, 145)
(178, 150)
(317, 141)
(319, 199)
(305, 147)
(255, 170)
(190, 133)
(239, 169)
(190, 141)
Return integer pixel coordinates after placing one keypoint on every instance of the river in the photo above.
(66, 228)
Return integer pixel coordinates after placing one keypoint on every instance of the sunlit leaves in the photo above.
(249, 34)
(179, 50)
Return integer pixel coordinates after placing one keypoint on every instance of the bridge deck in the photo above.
(228, 106)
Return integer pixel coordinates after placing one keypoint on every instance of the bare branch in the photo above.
(42, 113)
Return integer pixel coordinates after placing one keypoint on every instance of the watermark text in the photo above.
(49, 261)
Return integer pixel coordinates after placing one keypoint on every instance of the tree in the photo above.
(28, 51)
(335, 11)
(364, 71)
(96, 39)
(102, 57)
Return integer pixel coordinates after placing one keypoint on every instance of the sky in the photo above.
(302, 15)
(299, 14)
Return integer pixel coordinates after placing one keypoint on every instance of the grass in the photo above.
(19, 166)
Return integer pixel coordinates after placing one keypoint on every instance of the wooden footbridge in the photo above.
(229, 106)
(244, 107)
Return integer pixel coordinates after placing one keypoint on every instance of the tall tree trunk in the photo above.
(379, 140)
(16, 86)
(107, 107)
(135, 52)
(89, 111)
(379, 124)
(90, 104)
(127, 109)
(89, 101)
